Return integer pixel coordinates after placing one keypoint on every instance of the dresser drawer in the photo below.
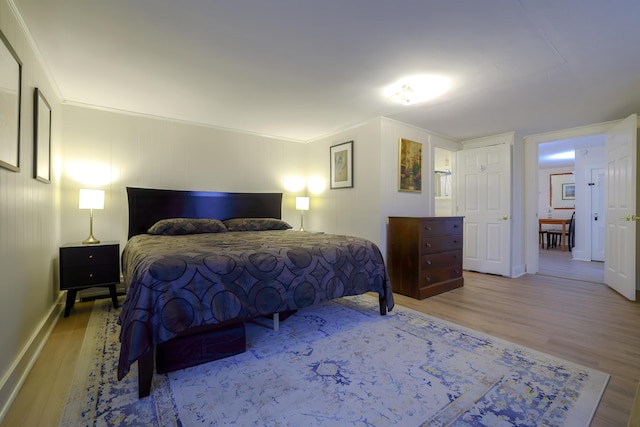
(434, 244)
(434, 276)
(89, 256)
(87, 276)
(443, 259)
(441, 227)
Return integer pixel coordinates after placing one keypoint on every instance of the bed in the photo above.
(199, 264)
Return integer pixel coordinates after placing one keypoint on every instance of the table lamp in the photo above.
(302, 204)
(91, 199)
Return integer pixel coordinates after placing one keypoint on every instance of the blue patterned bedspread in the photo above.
(179, 282)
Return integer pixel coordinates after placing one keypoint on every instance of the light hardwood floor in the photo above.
(583, 322)
(554, 262)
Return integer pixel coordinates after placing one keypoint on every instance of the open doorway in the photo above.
(577, 164)
(443, 181)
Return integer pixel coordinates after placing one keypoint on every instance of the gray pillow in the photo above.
(255, 224)
(182, 226)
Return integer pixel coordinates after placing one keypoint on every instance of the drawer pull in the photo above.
(428, 245)
(428, 279)
(428, 228)
(429, 262)
(90, 275)
(90, 256)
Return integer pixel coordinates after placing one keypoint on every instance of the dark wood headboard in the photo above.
(147, 206)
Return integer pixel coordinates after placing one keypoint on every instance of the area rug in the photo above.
(340, 364)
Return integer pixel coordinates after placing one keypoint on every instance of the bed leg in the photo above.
(383, 305)
(276, 322)
(145, 374)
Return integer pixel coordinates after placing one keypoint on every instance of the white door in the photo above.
(621, 214)
(597, 185)
(484, 199)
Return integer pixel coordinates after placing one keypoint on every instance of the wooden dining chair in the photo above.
(542, 235)
(554, 236)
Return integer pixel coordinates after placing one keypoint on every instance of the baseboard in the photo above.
(581, 255)
(17, 374)
(518, 271)
(634, 417)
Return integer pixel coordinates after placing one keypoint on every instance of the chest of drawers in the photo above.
(424, 255)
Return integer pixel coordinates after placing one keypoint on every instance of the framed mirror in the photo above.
(562, 190)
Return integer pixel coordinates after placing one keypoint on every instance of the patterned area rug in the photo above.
(340, 363)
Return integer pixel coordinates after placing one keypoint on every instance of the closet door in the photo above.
(484, 200)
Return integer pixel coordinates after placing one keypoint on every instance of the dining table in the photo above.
(556, 221)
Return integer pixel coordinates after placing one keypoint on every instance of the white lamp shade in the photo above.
(91, 199)
(302, 203)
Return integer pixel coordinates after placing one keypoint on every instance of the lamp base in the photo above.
(91, 241)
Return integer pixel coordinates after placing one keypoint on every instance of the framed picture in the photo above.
(10, 99)
(341, 158)
(41, 137)
(568, 191)
(410, 166)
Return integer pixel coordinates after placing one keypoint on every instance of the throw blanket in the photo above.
(180, 282)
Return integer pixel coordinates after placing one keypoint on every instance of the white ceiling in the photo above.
(303, 69)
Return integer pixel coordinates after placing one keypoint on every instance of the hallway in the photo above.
(554, 262)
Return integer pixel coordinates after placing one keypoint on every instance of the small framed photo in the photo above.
(568, 191)
(410, 166)
(341, 159)
(10, 100)
(41, 138)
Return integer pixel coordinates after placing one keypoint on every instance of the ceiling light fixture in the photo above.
(415, 89)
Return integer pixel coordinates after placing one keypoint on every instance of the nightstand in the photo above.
(88, 266)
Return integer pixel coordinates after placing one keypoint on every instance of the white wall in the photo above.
(354, 211)
(128, 150)
(29, 232)
(400, 203)
(363, 210)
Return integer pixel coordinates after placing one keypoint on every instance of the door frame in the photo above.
(531, 142)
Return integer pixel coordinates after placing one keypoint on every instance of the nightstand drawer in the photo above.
(87, 276)
(89, 256)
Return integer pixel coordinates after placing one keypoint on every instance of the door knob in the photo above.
(504, 218)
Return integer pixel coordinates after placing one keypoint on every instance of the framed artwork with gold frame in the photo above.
(410, 166)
